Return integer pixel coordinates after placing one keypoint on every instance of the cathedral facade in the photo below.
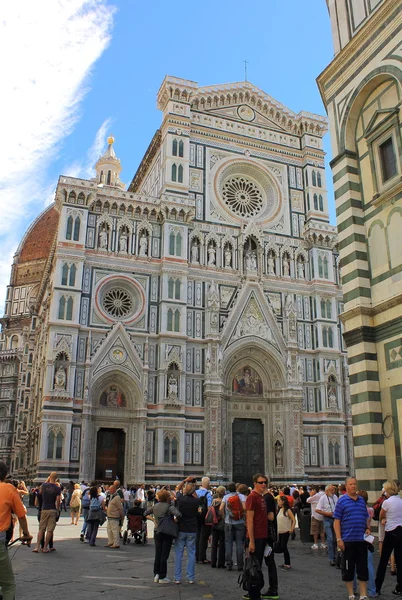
(189, 323)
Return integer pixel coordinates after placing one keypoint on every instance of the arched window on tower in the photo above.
(170, 449)
(174, 172)
(174, 147)
(319, 182)
(101, 178)
(77, 225)
(325, 337)
(177, 287)
(180, 174)
(109, 178)
(69, 229)
(177, 320)
(69, 309)
(64, 274)
(170, 287)
(321, 203)
(181, 149)
(55, 441)
(320, 267)
(325, 266)
(308, 201)
(62, 307)
(73, 271)
(314, 178)
(170, 320)
(315, 197)
(330, 337)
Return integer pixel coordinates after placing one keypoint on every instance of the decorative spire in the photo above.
(108, 167)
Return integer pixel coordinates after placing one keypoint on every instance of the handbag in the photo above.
(95, 514)
(167, 526)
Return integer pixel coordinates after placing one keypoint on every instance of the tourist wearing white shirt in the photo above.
(317, 524)
(391, 517)
(325, 508)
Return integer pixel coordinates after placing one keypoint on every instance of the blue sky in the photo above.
(83, 68)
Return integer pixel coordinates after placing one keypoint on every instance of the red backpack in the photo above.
(235, 507)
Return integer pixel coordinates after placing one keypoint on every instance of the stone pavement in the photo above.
(77, 570)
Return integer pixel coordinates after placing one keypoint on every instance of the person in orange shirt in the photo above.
(10, 502)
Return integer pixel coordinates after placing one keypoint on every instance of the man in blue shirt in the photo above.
(350, 525)
(203, 531)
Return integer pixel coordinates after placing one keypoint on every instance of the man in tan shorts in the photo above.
(51, 495)
(317, 523)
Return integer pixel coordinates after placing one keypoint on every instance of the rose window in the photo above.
(117, 302)
(242, 196)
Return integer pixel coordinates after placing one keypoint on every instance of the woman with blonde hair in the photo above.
(218, 531)
(75, 504)
(391, 518)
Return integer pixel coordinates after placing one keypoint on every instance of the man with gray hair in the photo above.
(325, 507)
(203, 530)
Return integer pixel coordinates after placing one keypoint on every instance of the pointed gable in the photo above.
(117, 351)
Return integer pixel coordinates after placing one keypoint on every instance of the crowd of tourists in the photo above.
(254, 524)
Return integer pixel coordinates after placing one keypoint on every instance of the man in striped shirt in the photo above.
(350, 525)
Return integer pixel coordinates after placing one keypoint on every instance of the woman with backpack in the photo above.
(218, 531)
(286, 525)
(233, 507)
(94, 517)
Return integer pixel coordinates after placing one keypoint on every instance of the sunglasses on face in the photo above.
(262, 482)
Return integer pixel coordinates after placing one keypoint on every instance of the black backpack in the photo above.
(252, 579)
(203, 508)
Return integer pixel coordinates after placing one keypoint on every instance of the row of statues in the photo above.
(123, 242)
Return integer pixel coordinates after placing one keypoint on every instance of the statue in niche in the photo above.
(300, 370)
(228, 258)
(253, 261)
(278, 455)
(194, 253)
(271, 264)
(60, 379)
(211, 255)
(289, 371)
(143, 244)
(103, 239)
(331, 391)
(123, 242)
(300, 268)
(172, 386)
(286, 266)
(289, 305)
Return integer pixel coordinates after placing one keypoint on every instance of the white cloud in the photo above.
(48, 50)
(85, 168)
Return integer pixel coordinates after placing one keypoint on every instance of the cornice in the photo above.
(371, 311)
(146, 161)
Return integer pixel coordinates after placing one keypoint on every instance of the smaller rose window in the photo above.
(117, 302)
(242, 196)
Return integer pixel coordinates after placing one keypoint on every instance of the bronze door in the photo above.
(110, 448)
(248, 450)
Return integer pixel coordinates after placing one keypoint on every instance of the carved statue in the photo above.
(332, 401)
(278, 455)
(228, 258)
(286, 266)
(289, 306)
(300, 269)
(143, 245)
(103, 239)
(300, 370)
(271, 264)
(60, 379)
(194, 253)
(211, 254)
(123, 242)
(172, 387)
(253, 261)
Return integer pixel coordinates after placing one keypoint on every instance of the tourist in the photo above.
(50, 492)
(9, 503)
(391, 518)
(85, 501)
(317, 520)
(115, 515)
(233, 508)
(94, 515)
(325, 507)
(163, 541)
(350, 525)
(187, 502)
(75, 504)
(218, 531)
(286, 524)
(203, 531)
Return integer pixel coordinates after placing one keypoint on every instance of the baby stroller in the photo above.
(136, 530)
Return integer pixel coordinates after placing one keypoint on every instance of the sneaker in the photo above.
(314, 547)
(190, 581)
(81, 537)
(396, 592)
(177, 581)
(324, 546)
(246, 596)
(285, 567)
(165, 580)
(269, 595)
(332, 563)
(156, 579)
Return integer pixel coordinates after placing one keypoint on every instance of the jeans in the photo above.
(203, 533)
(85, 512)
(392, 541)
(7, 581)
(234, 532)
(331, 541)
(283, 540)
(185, 540)
(218, 547)
(163, 543)
(92, 531)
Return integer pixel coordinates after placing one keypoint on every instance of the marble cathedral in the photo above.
(187, 323)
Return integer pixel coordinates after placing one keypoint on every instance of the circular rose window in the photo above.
(117, 302)
(119, 298)
(242, 196)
